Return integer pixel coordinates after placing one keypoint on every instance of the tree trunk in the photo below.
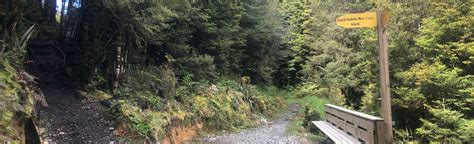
(51, 11)
(118, 68)
(62, 25)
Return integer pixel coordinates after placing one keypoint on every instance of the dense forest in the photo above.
(157, 65)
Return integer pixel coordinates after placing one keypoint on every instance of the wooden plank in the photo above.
(330, 130)
(359, 133)
(365, 124)
(330, 118)
(380, 133)
(346, 116)
(350, 129)
(363, 135)
(334, 120)
(355, 113)
(331, 136)
(337, 135)
(340, 123)
(331, 111)
(368, 125)
(341, 135)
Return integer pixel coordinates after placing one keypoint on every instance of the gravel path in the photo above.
(66, 119)
(272, 132)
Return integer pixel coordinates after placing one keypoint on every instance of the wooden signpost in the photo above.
(377, 19)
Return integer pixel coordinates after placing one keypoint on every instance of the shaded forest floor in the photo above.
(268, 132)
(66, 118)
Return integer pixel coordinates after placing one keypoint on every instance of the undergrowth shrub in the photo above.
(9, 98)
(308, 117)
(151, 101)
(335, 95)
(18, 97)
(225, 106)
(146, 123)
(18, 93)
(202, 67)
(150, 87)
(305, 89)
(167, 82)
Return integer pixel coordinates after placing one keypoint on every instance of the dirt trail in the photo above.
(66, 118)
(272, 132)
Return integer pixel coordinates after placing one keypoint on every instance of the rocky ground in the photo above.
(270, 132)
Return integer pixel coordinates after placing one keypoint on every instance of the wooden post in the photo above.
(384, 78)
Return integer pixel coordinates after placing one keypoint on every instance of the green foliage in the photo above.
(205, 39)
(430, 63)
(446, 125)
(273, 91)
(138, 29)
(299, 36)
(147, 123)
(403, 29)
(167, 82)
(9, 98)
(467, 131)
(330, 60)
(200, 67)
(151, 100)
(17, 100)
(145, 87)
(433, 94)
(441, 93)
(17, 90)
(220, 36)
(310, 116)
(15, 48)
(313, 103)
(265, 36)
(94, 94)
(311, 108)
(448, 35)
(369, 101)
(307, 89)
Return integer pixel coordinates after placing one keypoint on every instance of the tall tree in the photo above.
(264, 35)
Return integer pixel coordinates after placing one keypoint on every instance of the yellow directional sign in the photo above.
(358, 20)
